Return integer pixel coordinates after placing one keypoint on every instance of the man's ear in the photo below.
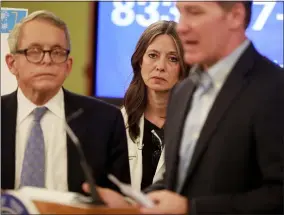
(69, 66)
(237, 16)
(10, 61)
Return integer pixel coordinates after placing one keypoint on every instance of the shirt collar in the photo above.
(221, 69)
(56, 104)
(25, 106)
(216, 75)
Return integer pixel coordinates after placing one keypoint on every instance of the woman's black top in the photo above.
(151, 152)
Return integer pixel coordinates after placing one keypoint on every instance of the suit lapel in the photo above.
(75, 116)
(180, 101)
(232, 88)
(8, 157)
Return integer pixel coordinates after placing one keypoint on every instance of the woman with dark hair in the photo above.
(158, 65)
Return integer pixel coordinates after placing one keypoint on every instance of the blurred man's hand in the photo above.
(166, 202)
(110, 197)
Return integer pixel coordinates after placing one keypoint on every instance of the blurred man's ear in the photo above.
(237, 16)
(10, 61)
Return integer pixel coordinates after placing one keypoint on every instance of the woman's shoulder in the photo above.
(123, 110)
(125, 117)
(124, 113)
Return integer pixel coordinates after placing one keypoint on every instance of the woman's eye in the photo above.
(173, 59)
(152, 55)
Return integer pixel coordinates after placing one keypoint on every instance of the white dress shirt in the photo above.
(208, 89)
(52, 124)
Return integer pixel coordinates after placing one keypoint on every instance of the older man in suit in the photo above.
(35, 149)
(225, 123)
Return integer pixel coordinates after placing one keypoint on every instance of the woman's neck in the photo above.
(157, 107)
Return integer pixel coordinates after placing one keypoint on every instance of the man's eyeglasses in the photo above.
(157, 153)
(36, 55)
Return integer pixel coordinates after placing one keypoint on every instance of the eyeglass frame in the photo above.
(24, 51)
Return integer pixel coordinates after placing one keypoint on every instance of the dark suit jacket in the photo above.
(100, 129)
(237, 166)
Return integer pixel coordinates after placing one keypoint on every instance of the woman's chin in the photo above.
(159, 88)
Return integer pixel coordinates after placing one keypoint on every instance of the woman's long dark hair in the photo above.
(135, 99)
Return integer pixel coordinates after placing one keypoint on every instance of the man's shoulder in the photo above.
(263, 63)
(267, 71)
(8, 97)
(88, 102)
(4, 98)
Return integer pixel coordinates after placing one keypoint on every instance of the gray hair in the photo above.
(13, 37)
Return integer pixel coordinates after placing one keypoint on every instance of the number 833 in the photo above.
(123, 13)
